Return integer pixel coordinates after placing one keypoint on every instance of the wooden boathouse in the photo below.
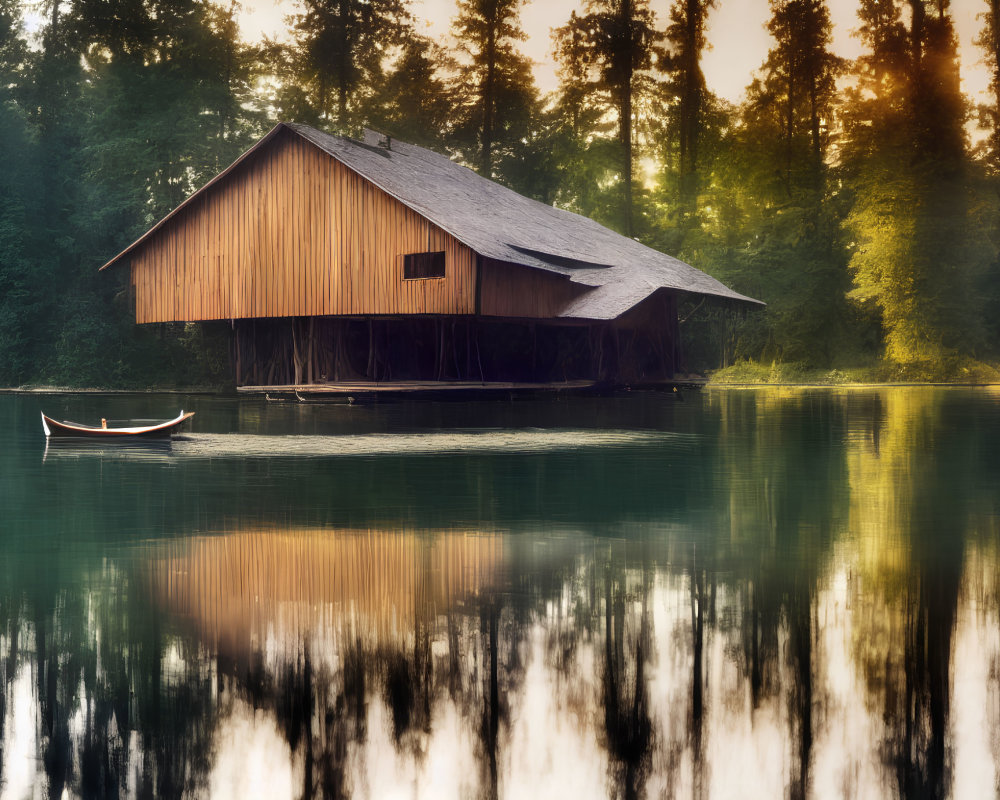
(339, 261)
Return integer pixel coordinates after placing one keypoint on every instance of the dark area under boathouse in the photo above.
(339, 261)
(322, 350)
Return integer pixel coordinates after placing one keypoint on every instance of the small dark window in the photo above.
(423, 265)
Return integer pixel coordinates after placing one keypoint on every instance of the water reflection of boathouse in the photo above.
(393, 644)
(376, 586)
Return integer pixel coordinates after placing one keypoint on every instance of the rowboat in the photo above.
(54, 428)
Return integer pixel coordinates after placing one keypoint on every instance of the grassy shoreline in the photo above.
(954, 372)
(732, 385)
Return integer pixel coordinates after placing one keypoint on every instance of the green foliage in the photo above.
(607, 58)
(412, 101)
(339, 54)
(792, 102)
(953, 369)
(17, 302)
(125, 109)
(792, 372)
(22, 253)
(493, 87)
(581, 144)
(769, 223)
(989, 113)
(685, 118)
(917, 259)
(13, 47)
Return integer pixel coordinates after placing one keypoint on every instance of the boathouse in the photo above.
(338, 260)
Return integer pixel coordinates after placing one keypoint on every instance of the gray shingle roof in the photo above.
(501, 224)
(498, 223)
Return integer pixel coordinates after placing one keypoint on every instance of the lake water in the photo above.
(773, 593)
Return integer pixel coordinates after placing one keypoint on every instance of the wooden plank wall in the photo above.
(296, 233)
(510, 290)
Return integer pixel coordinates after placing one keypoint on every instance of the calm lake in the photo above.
(768, 593)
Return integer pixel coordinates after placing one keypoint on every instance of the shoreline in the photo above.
(710, 385)
(851, 385)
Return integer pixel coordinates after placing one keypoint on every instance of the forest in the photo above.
(857, 198)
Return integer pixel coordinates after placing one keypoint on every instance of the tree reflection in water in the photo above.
(625, 697)
(795, 635)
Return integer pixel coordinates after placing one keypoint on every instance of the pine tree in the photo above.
(584, 154)
(795, 96)
(339, 53)
(617, 40)
(989, 120)
(230, 85)
(493, 85)
(686, 85)
(989, 41)
(165, 98)
(412, 102)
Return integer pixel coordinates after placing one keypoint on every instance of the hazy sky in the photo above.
(736, 35)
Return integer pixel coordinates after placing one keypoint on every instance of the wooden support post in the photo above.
(676, 352)
(534, 349)
(338, 350)
(370, 368)
(310, 373)
(479, 357)
(468, 348)
(618, 354)
(253, 353)
(383, 361)
(272, 364)
(238, 361)
(296, 354)
(342, 369)
(599, 334)
(439, 366)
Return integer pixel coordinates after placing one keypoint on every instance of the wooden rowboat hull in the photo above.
(55, 428)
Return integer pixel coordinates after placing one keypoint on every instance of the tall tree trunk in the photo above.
(790, 101)
(227, 78)
(815, 132)
(625, 116)
(489, 101)
(918, 81)
(692, 99)
(342, 65)
(626, 137)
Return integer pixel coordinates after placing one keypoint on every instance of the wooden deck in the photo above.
(360, 391)
(368, 391)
